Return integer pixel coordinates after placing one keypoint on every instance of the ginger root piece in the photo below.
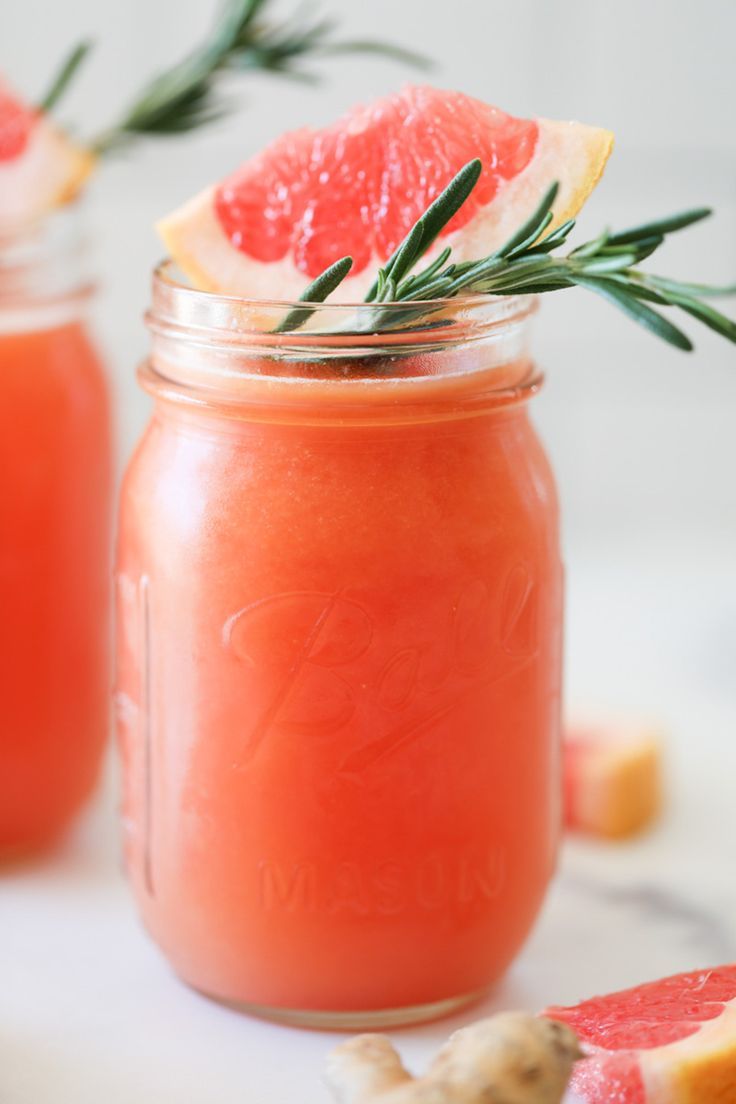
(612, 777)
(511, 1058)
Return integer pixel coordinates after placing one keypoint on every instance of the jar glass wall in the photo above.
(55, 505)
(339, 595)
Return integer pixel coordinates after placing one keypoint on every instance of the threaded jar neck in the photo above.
(44, 272)
(465, 356)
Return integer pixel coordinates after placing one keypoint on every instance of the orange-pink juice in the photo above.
(339, 685)
(54, 571)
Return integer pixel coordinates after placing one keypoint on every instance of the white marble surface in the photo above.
(89, 1011)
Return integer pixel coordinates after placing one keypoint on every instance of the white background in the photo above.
(644, 442)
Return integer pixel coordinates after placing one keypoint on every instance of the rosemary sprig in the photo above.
(244, 39)
(606, 265)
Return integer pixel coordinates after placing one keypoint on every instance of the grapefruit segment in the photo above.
(612, 774)
(40, 167)
(357, 187)
(671, 1041)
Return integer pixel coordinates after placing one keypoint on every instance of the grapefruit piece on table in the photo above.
(40, 167)
(612, 776)
(357, 187)
(671, 1041)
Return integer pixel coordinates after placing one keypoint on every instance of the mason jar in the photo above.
(55, 506)
(339, 619)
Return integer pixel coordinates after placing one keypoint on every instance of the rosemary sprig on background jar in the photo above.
(245, 38)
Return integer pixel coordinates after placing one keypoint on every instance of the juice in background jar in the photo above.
(55, 488)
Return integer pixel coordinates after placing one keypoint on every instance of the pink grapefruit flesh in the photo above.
(16, 123)
(356, 187)
(40, 167)
(671, 1041)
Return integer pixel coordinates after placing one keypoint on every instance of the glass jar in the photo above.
(55, 507)
(339, 595)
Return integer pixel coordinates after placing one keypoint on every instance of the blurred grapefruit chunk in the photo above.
(612, 775)
(40, 167)
(671, 1041)
(357, 187)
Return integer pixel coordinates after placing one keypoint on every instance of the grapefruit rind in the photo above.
(572, 153)
(196, 243)
(700, 1069)
(49, 174)
(48, 171)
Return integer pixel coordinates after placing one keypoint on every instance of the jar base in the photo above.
(366, 1020)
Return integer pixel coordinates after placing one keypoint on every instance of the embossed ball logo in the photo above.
(328, 655)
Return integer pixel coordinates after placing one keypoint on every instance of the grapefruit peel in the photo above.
(40, 166)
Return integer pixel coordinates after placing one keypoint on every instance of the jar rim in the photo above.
(44, 269)
(498, 308)
(219, 350)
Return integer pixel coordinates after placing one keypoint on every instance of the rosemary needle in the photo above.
(315, 293)
(64, 76)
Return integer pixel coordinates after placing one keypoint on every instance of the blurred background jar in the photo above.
(55, 509)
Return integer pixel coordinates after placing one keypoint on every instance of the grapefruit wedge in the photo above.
(40, 167)
(671, 1041)
(612, 776)
(358, 186)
